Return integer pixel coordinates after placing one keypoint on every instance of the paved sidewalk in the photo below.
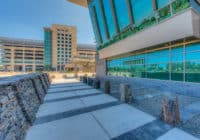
(75, 111)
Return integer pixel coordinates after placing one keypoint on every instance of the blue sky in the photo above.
(26, 18)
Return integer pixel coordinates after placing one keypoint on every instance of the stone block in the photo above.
(107, 87)
(81, 78)
(85, 80)
(96, 84)
(90, 81)
(125, 92)
(170, 110)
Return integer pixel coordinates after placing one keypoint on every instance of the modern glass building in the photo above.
(157, 39)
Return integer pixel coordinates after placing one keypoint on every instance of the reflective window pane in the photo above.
(161, 64)
(162, 3)
(122, 13)
(192, 47)
(138, 7)
(177, 69)
(100, 20)
(193, 71)
(94, 24)
(109, 17)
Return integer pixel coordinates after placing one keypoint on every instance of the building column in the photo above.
(114, 16)
(130, 11)
(34, 68)
(12, 60)
(24, 68)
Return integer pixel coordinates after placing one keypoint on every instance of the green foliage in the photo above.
(179, 5)
(164, 13)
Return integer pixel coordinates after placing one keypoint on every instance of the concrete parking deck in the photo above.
(75, 111)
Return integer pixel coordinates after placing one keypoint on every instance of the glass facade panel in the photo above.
(158, 71)
(193, 47)
(138, 7)
(100, 21)
(193, 63)
(177, 64)
(109, 17)
(193, 71)
(47, 47)
(164, 64)
(195, 4)
(162, 3)
(121, 9)
(94, 24)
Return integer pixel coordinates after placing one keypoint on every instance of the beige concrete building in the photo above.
(59, 46)
(84, 60)
(21, 55)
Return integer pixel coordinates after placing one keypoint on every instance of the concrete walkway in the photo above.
(75, 111)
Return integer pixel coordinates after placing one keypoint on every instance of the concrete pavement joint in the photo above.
(69, 98)
(149, 131)
(65, 86)
(61, 91)
(58, 116)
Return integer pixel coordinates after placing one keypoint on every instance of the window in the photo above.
(94, 24)
(177, 63)
(162, 3)
(193, 63)
(122, 13)
(100, 20)
(138, 7)
(108, 16)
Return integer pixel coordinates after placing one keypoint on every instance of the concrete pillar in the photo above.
(107, 87)
(125, 92)
(96, 84)
(33, 68)
(85, 80)
(170, 110)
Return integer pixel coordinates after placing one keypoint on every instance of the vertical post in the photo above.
(130, 11)
(146, 64)
(184, 59)
(170, 63)
(171, 9)
(155, 7)
(114, 16)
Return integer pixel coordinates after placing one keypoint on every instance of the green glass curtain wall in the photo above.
(181, 63)
(48, 47)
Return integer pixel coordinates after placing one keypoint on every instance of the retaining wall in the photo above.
(183, 88)
(20, 98)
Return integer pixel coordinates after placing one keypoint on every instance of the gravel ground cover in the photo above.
(150, 101)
